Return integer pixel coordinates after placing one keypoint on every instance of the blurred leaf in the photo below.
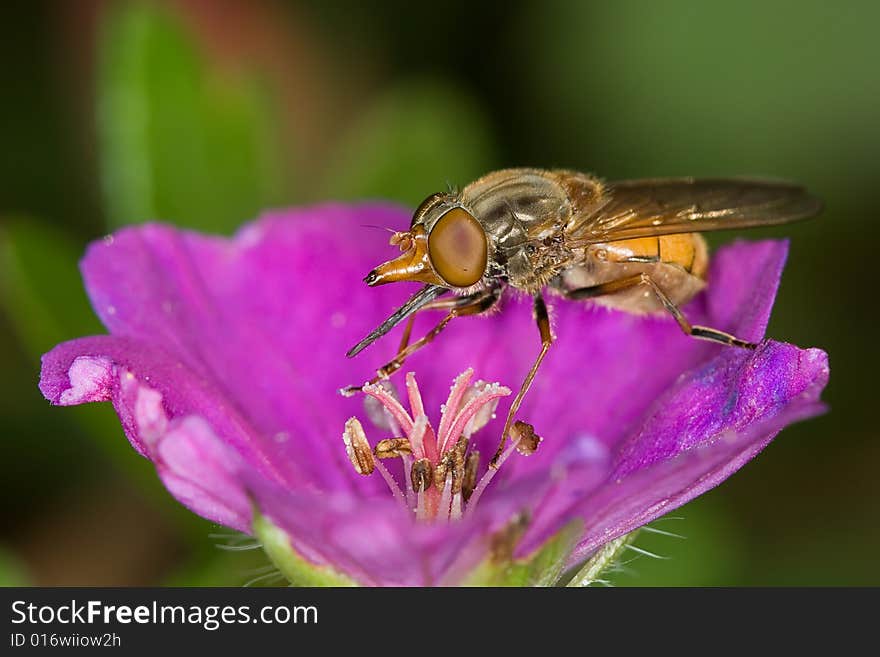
(697, 545)
(44, 303)
(179, 142)
(12, 571)
(685, 88)
(42, 295)
(411, 142)
(41, 286)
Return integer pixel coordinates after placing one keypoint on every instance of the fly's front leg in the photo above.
(543, 321)
(472, 304)
(407, 331)
(702, 332)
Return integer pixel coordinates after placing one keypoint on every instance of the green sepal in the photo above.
(602, 560)
(543, 567)
(297, 570)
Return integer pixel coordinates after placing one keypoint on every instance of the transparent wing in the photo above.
(642, 208)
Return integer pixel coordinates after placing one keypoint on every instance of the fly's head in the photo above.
(445, 246)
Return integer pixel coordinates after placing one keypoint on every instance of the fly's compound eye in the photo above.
(458, 249)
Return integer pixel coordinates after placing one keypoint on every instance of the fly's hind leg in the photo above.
(702, 332)
(543, 321)
(472, 304)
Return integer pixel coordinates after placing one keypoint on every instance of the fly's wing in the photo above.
(643, 208)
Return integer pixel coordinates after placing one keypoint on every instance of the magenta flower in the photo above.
(225, 357)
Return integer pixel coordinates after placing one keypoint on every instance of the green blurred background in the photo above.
(203, 112)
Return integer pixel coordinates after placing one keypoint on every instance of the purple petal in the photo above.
(266, 317)
(726, 395)
(213, 489)
(151, 389)
(707, 426)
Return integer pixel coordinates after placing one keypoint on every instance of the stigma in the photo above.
(441, 467)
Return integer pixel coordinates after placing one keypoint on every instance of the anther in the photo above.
(457, 463)
(469, 480)
(357, 447)
(524, 437)
(421, 475)
(391, 448)
(441, 470)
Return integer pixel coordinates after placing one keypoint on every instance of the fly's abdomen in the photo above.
(677, 263)
(687, 251)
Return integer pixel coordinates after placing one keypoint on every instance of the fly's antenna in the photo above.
(385, 228)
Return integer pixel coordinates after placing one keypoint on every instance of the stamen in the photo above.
(486, 413)
(415, 396)
(453, 403)
(357, 447)
(377, 412)
(489, 475)
(441, 470)
(489, 393)
(391, 448)
(457, 464)
(524, 437)
(392, 484)
(442, 475)
(455, 508)
(421, 507)
(416, 437)
(397, 411)
(446, 496)
(469, 481)
(421, 475)
(406, 460)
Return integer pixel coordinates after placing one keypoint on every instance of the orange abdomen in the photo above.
(687, 251)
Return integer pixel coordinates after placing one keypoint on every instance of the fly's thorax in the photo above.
(524, 213)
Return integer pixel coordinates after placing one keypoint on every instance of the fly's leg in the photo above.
(440, 304)
(702, 332)
(473, 304)
(543, 321)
